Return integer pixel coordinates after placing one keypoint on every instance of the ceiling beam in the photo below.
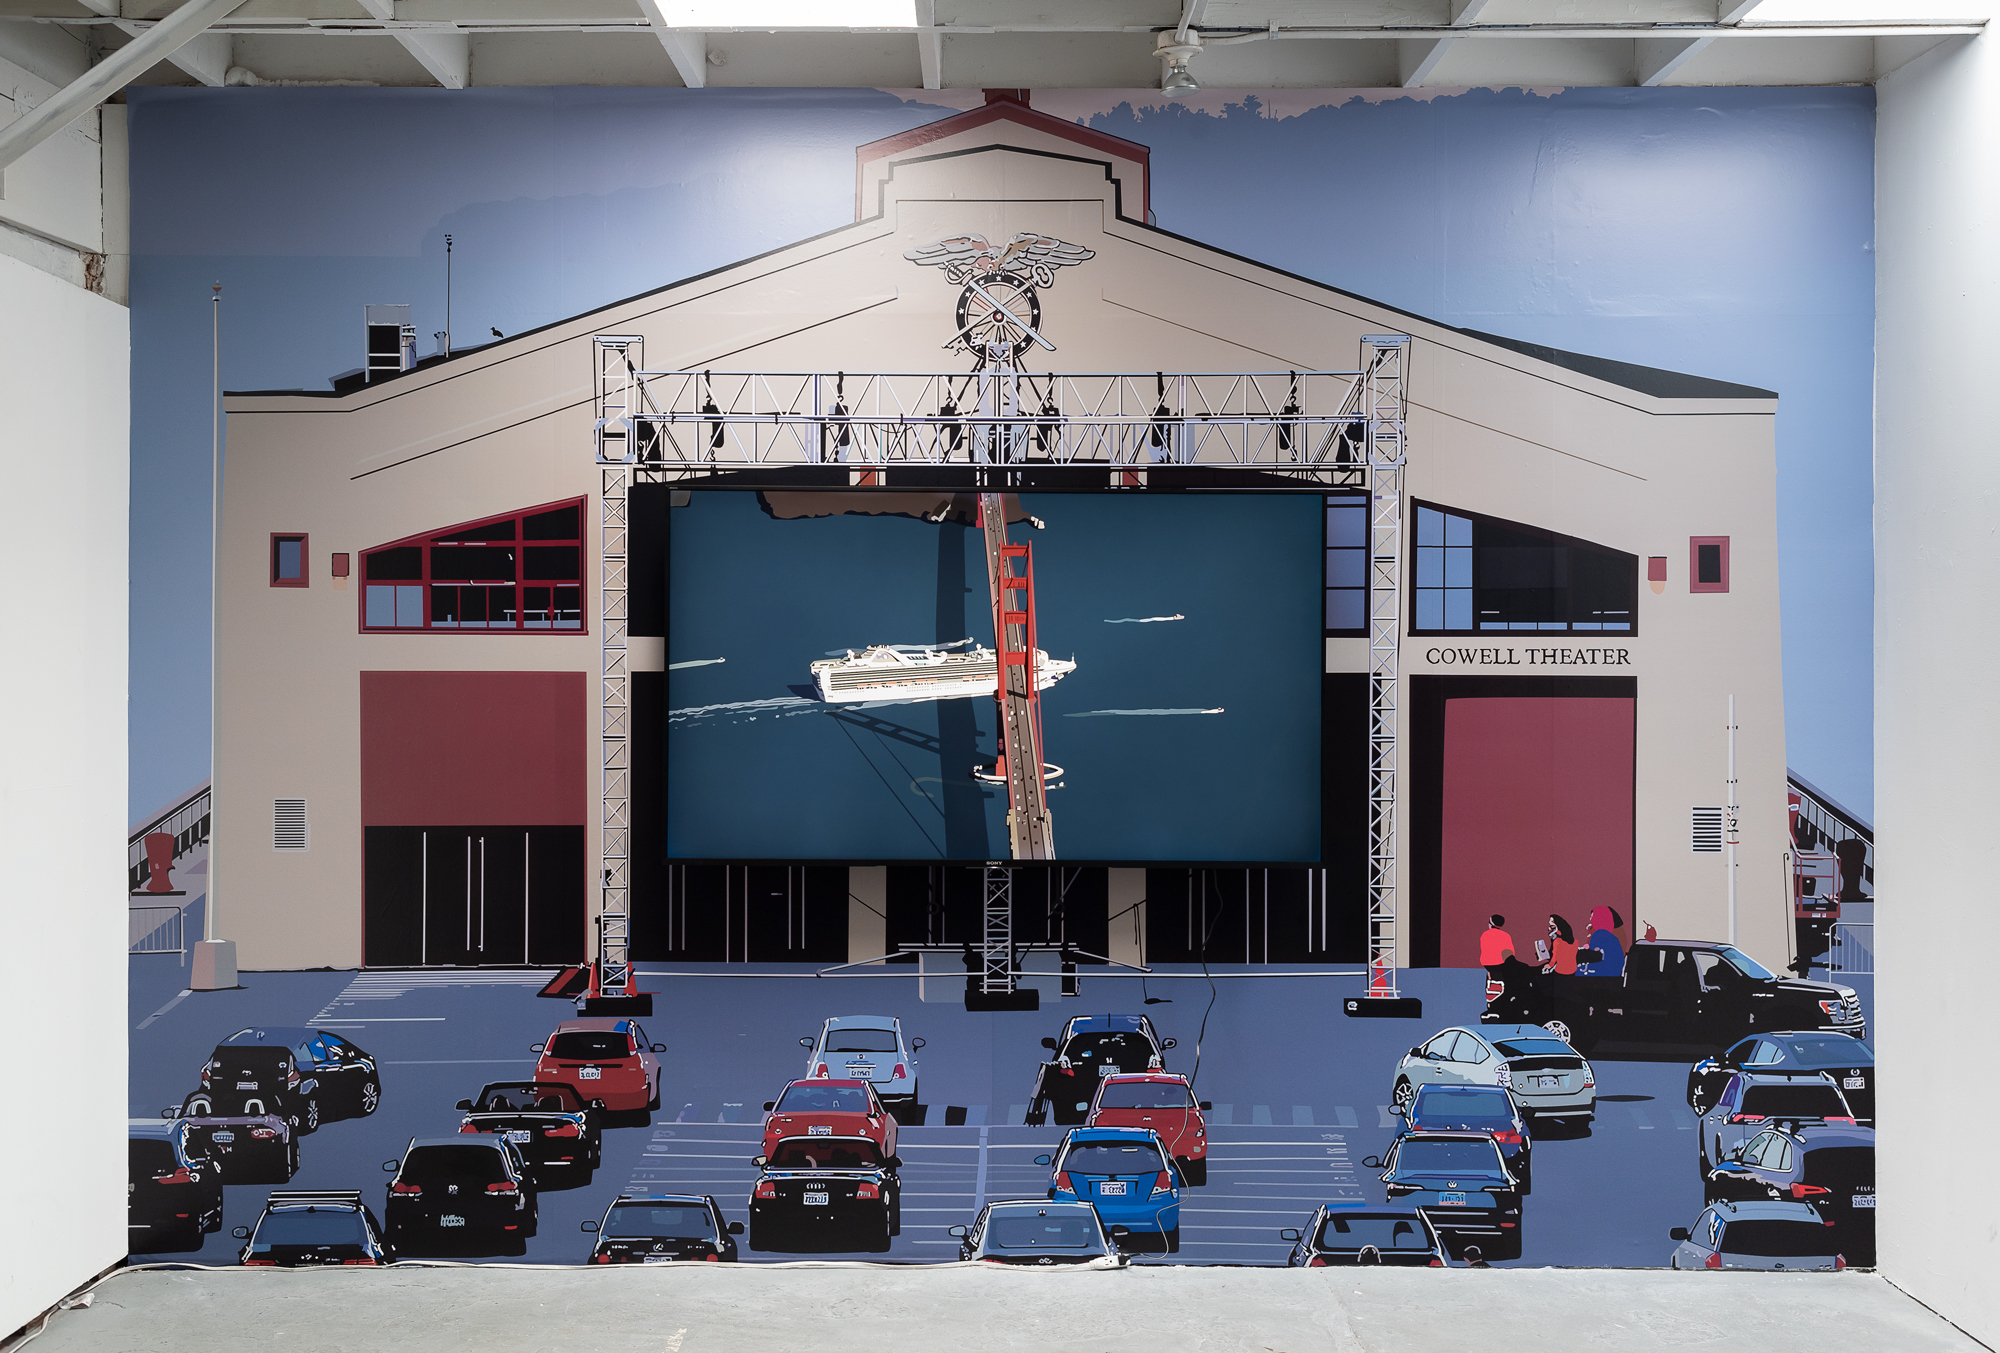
(207, 58)
(1734, 11)
(930, 45)
(688, 50)
(1657, 60)
(108, 76)
(1417, 58)
(444, 52)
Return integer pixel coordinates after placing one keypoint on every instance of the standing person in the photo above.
(1496, 946)
(1604, 924)
(1562, 943)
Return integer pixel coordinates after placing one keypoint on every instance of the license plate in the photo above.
(1853, 1082)
(1107, 1070)
(520, 1135)
(1864, 1200)
(819, 1130)
(656, 1258)
(1548, 1082)
(861, 1071)
(222, 1137)
(815, 1200)
(591, 1073)
(246, 1085)
(448, 1219)
(1451, 1200)
(1111, 1187)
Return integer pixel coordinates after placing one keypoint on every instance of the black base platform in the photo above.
(1384, 1007)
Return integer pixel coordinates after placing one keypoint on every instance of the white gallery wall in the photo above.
(1937, 626)
(64, 420)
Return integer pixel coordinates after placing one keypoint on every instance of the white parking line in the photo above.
(394, 1019)
(163, 1009)
(468, 1061)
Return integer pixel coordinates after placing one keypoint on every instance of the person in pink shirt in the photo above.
(1496, 946)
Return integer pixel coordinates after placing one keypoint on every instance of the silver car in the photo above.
(1756, 1235)
(867, 1048)
(1548, 1077)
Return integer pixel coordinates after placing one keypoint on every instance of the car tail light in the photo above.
(822, 1070)
(1437, 1263)
(1063, 1184)
(1839, 1262)
(1163, 1182)
(1807, 1190)
(181, 1176)
(1318, 1261)
(714, 1259)
(1589, 1080)
(603, 1258)
(468, 1127)
(901, 1073)
(263, 1134)
(504, 1186)
(1494, 988)
(563, 1130)
(400, 1187)
(865, 1190)
(358, 1263)
(1713, 1261)
(260, 1263)
(1747, 1117)
(1508, 1137)
(1849, 1121)
(767, 1189)
(1509, 1223)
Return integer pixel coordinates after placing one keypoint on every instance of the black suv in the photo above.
(1090, 1048)
(471, 1192)
(314, 1229)
(307, 1076)
(173, 1197)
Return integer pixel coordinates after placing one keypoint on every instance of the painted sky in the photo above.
(1726, 232)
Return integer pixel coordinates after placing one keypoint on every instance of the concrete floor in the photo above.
(834, 1308)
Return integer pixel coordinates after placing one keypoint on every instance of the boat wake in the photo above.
(1097, 713)
(694, 662)
(1145, 619)
(778, 707)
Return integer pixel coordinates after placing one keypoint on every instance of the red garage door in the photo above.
(1537, 817)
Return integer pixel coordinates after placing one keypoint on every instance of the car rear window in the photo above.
(1117, 1049)
(1835, 1050)
(153, 1158)
(825, 1153)
(1416, 1157)
(1769, 1238)
(1145, 1095)
(1058, 1231)
(1110, 1158)
(590, 1045)
(480, 1164)
(1535, 1047)
(1839, 1166)
(1384, 1233)
(1794, 1101)
(861, 1040)
(1468, 1110)
(660, 1221)
(824, 1099)
(302, 1227)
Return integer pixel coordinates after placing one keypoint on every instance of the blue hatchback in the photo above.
(1126, 1174)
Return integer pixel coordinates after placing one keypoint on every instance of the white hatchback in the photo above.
(1547, 1077)
(867, 1048)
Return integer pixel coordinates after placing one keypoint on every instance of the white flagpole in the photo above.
(1729, 821)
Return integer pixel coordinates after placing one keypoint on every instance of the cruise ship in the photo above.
(882, 672)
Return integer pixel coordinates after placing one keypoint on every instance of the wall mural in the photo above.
(735, 769)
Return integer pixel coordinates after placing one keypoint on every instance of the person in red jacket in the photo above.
(1496, 946)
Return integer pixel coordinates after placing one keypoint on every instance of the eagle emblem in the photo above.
(999, 312)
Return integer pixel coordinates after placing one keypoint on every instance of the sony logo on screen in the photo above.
(1528, 657)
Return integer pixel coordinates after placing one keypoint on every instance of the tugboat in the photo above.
(883, 672)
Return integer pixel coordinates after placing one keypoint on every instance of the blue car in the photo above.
(1849, 1062)
(1126, 1174)
(1491, 1109)
(1459, 1181)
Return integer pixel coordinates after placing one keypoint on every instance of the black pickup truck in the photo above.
(1694, 992)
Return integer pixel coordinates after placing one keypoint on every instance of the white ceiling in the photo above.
(1043, 44)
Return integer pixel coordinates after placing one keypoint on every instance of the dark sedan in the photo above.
(559, 1135)
(1338, 1235)
(825, 1193)
(316, 1228)
(172, 1198)
(664, 1229)
(1459, 1182)
(1040, 1235)
(251, 1148)
(1848, 1061)
(1828, 1167)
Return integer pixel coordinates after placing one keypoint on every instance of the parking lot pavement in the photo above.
(1300, 1098)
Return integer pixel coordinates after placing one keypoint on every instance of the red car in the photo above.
(829, 1108)
(603, 1059)
(1166, 1104)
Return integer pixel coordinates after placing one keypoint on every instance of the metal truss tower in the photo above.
(1384, 407)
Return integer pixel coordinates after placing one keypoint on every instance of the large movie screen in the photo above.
(830, 691)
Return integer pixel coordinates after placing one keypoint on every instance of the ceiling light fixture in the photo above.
(1175, 48)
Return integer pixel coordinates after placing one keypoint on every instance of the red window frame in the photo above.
(305, 556)
(426, 541)
(1695, 584)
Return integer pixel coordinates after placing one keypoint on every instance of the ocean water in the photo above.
(758, 768)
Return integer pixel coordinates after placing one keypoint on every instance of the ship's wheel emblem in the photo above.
(999, 312)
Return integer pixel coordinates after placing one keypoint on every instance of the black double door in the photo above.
(457, 896)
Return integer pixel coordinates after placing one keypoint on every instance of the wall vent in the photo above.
(288, 824)
(1706, 835)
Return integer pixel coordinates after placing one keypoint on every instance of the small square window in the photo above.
(288, 560)
(340, 566)
(1708, 563)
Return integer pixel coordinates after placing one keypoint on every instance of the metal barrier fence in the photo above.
(1853, 948)
(155, 930)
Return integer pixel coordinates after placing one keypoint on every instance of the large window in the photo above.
(1347, 565)
(523, 571)
(1475, 574)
